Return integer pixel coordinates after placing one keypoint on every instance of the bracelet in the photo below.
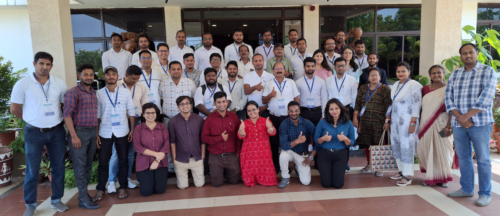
(157, 161)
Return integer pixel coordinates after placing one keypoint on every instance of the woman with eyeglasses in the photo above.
(152, 146)
(323, 70)
(352, 68)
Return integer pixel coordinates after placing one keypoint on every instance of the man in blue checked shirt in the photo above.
(469, 97)
(295, 136)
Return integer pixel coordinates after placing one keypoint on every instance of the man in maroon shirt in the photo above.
(219, 132)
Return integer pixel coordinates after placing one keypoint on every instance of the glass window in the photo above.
(292, 24)
(398, 19)
(150, 21)
(86, 24)
(368, 43)
(389, 50)
(412, 53)
(191, 14)
(193, 34)
(341, 18)
(293, 13)
(237, 14)
(89, 52)
(488, 14)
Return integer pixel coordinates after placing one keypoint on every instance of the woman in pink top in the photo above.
(323, 70)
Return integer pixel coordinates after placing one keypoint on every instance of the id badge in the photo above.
(209, 105)
(151, 97)
(48, 109)
(310, 103)
(341, 99)
(115, 120)
(389, 110)
(281, 104)
(136, 112)
(362, 111)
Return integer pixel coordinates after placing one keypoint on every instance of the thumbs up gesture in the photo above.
(269, 124)
(326, 137)
(242, 127)
(225, 136)
(301, 138)
(273, 93)
(341, 136)
(259, 87)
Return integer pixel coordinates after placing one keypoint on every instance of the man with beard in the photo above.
(235, 84)
(231, 51)
(202, 55)
(177, 52)
(295, 135)
(277, 94)
(330, 53)
(215, 63)
(342, 87)
(340, 42)
(151, 77)
(372, 63)
(298, 60)
(163, 52)
(244, 63)
(115, 110)
(278, 57)
(255, 82)
(144, 46)
(189, 71)
(360, 57)
(203, 96)
(116, 56)
(291, 48)
(266, 49)
(313, 95)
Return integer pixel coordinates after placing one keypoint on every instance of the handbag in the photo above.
(381, 158)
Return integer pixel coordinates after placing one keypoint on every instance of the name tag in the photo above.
(48, 109)
(389, 110)
(362, 111)
(310, 103)
(341, 99)
(115, 120)
(136, 112)
(281, 104)
(209, 105)
(151, 97)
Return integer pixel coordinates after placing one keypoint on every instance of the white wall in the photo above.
(15, 40)
(469, 17)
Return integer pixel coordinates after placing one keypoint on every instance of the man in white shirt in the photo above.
(313, 94)
(244, 63)
(116, 56)
(115, 110)
(151, 77)
(298, 60)
(277, 94)
(203, 96)
(143, 45)
(215, 63)
(360, 58)
(231, 51)
(163, 53)
(291, 48)
(235, 84)
(177, 52)
(342, 86)
(202, 55)
(266, 49)
(189, 71)
(255, 82)
(330, 54)
(37, 99)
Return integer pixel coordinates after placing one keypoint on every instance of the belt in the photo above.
(85, 128)
(334, 150)
(226, 154)
(303, 153)
(277, 115)
(44, 129)
(318, 108)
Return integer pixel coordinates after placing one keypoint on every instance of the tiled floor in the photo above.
(362, 194)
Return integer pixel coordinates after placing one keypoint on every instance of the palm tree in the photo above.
(414, 52)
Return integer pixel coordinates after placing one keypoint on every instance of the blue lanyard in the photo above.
(185, 72)
(279, 86)
(237, 53)
(368, 92)
(312, 85)
(229, 84)
(361, 62)
(166, 71)
(338, 89)
(145, 80)
(328, 58)
(133, 92)
(294, 50)
(220, 72)
(48, 88)
(116, 97)
(400, 88)
(212, 92)
(300, 56)
(267, 53)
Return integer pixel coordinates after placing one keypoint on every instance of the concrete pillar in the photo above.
(311, 28)
(440, 35)
(50, 24)
(173, 23)
(469, 17)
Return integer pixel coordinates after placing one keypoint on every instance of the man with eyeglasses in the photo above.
(215, 63)
(177, 52)
(291, 48)
(116, 56)
(163, 52)
(339, 42)
(330, 53)
(245, 62)
(266, 49)
(151, 77)
(189, 71)
(279, 57)
(202, 55)
(144, 46)
(231, 51)
(235, 84)
(298, 60)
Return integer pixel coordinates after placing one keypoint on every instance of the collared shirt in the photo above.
(472, 90)
(323, 73)
(169, 92)
(186, 135)
(124, 108)
(345, 89)
(331, 60)
(81, 106)
(221, 74)
(193, 76)
(156, 140)
(238, 97)
(135, 58)
(290, 51)
(356, 74)
(231, 52)
(208, 97)
(286, 62)
(340, 49)
(139, 94)
(266, 52)
(119, 60)
(177, 54)
(312, 89)
(202, 58)
(153, 87)
(364, 79)
(335, 143)
(213, 128)
(298, 65)
(362, 62)
(243, 68)
(253, 79)
(290, 132)
(28, 92)
(278, 104)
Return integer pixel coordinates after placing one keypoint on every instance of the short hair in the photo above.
(376, 55)
(149, 106)
(179, 32)
(257, 54)
(337, 32)
(181, 98)
(404, 64)
(278, 45)
(274, 65)
(359, 42)
(134, 70)
(237, 29)
(293, 103)
(84, 67)
(302, 39)
(239, 48)
(291, 30)
(162, 44)
(144, 36)
(330, 38)
(473, 45)
(144, 51)
(309, 59)
(339, 59)
(174, 62)
(375, 69)
(209, 70)
(44, 55)
(214, 55)
(232, 63)
(187, 55)
(267, 30)
(219, 94)
(206, 33)
(116, 35)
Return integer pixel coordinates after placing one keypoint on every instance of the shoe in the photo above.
(408, 181)
(59, 206)
(284, 182)
(366, 169)
(131, 184)
(379, 173)
(91, 199)
(348, 169)
(483, 200)
(87, 204)
(30, 211)
(111, 188)
(459, 193)
(397, 176)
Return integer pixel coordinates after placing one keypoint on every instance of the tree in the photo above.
(8, 78)
(414, 51)
(387, 49)
(90, 57)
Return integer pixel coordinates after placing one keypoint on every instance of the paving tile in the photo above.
(325, 195)
(149, 206)
(227, 201)
(373, 192)
(201, 203)
(175, 204)
(349, 193)
(307, 206)
(277, 197)
(252, 199)
(301, 196)
(227, 210)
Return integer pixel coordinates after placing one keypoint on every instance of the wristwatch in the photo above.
(311, 158)
(388, 121)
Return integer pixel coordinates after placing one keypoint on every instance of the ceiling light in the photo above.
(214, 25)
(245, 25)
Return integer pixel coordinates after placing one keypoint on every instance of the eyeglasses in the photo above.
(150, 113)
(162, 51)
(146, 58)
(184, 104)
(330, 44)
(279, 68)
(340, 35)
(215, 60)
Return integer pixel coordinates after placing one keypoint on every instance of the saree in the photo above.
(435, 153)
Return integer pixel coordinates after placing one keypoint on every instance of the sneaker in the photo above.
(379, 173)
(483, 200)
(348, 169)
(131, 184)
(88, 204)
(284, 182)
(30, 211)
(59, 206)
(111, 188)
(459, 193)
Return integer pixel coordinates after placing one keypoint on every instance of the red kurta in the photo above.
(255, 158)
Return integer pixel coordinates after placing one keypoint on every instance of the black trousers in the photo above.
(313, 114)
(351, 116)
(332, 167)
(275, 140)
(122, 147)
(153, 181)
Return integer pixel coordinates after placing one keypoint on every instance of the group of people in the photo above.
(249, 114)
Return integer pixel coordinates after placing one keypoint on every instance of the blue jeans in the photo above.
(479, 136)
(55, 140)
(113, 163)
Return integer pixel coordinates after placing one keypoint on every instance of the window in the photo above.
(488, 17)
(193, 34)
(238, 14)
(292, 24)
(150, 21)
(333, 19)
(398, 19)
(86, 24)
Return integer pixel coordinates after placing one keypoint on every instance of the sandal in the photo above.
(379, 173)
(397, 176)
(408, 181)
(122, 194)
(366, 169)
(424, 184)
(99, 195)
(445, 185)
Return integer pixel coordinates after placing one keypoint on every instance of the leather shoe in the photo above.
(87, 204)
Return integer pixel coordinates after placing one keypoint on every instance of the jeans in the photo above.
(122, 147)
(113, 163)
(82, 158)
(55, 140)
(171, 168)
(479, 137)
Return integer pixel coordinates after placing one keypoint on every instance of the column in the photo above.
(50, 24)
(469, 17)
(173, 23)
(441, 30)
(311, 27)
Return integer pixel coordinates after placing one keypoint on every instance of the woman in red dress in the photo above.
(255, 157)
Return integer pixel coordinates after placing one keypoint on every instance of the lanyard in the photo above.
(133, 92)
(186, 73)
(367, 93)
(300, 56)
(166, 71)
(48, 88)
(220, 72)
(145, 80)
(212, 92)
(267, 53)
(279, 86)
(294, 50)
(312, 85)
(361, 62)
(328, 57)
(116, 97)
(400, 88)
(229, 84)
(238, 54)
(338, 89)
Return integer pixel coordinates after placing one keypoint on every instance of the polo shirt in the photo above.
(207, 99)
(120, 60)
(298, 65)
(286, 62)
(153, 87)
(123, 108)
(202, 58)
(135, 58)
(177, 54)
(279, 104)
(344, 89)
(253, 79)
(231, 52)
